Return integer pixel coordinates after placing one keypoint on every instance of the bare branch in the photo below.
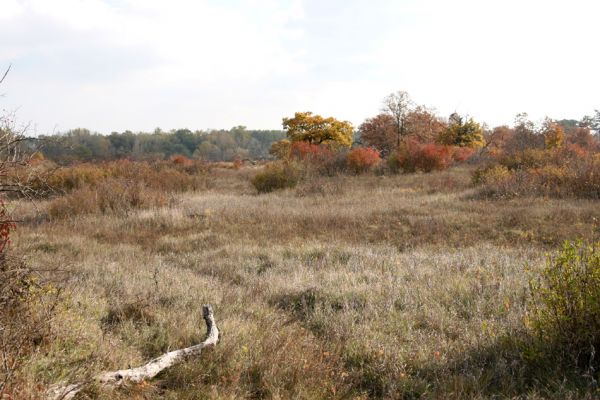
(5, 73)
(63, 391)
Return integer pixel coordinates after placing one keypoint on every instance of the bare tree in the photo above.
(398, 105)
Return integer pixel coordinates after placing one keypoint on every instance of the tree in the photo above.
(423, 125)
(398, 105)
(315, 129)
(379, 132)
(592, 122)
(463, 133)
(554, 134)
(524, 135)
(498, 137)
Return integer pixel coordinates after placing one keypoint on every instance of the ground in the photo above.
(345, 287)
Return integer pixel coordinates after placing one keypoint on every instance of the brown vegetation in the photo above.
(342, 287)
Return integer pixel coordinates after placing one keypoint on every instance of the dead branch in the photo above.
(5, 73)
(63, 391)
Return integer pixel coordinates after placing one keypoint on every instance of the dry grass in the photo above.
(343, 287)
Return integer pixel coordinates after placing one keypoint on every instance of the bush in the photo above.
(363, 159)
(491, 174)
(305, 151)
(111, 196)
(277, 175)
(27, 307)
(565, 301)
(569, 171)
(460, 154)
(413, 156)
(176, 175)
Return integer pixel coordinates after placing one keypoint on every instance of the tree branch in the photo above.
(5, 73)
(63, 391)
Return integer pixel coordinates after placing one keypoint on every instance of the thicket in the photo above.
(27, 301)
(116, 186)
(546, 162)
(565, 304)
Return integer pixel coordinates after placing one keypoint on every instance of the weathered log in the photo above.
(62, 391)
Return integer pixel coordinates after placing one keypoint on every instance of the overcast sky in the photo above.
(112, 65)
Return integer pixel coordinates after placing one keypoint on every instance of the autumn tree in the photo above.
(315, 129)
(525, 135)
(423, 125)
(380, 133)
(496, 139)
(554, 135)
(398, 105)
(462, 132)
(583, 137)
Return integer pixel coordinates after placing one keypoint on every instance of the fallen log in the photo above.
(63, 391)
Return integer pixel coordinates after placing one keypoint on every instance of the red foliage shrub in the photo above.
(363, 159)
(461, 154)
(427, 157)
(321, 159)
(182, 160)
(305, 151)
(6, 225)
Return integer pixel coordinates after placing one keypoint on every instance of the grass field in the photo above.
(407, 286)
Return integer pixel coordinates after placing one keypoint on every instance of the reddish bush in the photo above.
(427, 157)
(311, 152)
(461, 154)
(6, 226)
(363, 159)
(321, 159)
(182, 160)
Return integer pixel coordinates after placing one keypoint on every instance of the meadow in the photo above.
(343, 287)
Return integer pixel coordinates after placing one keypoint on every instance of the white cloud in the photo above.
(135, 64)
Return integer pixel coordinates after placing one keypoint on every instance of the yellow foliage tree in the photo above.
(463, 133)
(554, 136)
(315, 129)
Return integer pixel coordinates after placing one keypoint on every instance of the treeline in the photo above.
(79, 145)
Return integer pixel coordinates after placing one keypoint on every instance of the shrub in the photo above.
(281, 149)
(461, 154)
(176, 175)
(565, 301)
(182, 160)
(491, 174)
(320, 159)
(305, 151)
(363, 159)
(27, 307)
(277, 175)
(413, 156)
(111, 196)
(569, 171)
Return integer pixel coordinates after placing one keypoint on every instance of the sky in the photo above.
(113, 65)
